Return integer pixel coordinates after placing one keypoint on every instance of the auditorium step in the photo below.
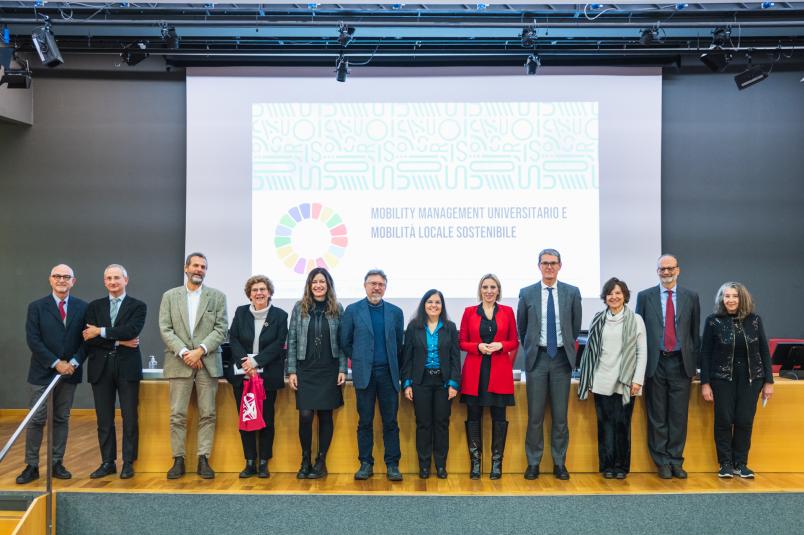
(12, 509)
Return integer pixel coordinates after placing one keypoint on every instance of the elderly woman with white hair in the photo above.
(735, 368)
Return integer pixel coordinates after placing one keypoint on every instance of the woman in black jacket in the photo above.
(263, 354)
(316, 367)
(735, 368)
(431, 373)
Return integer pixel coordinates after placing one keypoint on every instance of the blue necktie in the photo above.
(115, 307)
(552, 337)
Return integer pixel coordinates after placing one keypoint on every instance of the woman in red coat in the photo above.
(488, 335)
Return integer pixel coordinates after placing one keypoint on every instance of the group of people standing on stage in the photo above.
(653, 349)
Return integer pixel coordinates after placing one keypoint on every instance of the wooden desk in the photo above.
(777, 439)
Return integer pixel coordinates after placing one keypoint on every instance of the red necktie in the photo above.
(670, 324)
(62, 312)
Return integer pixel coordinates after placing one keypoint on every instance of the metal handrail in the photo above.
(44, 398)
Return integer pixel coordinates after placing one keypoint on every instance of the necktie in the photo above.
(115, 307)
(62, 312)
(552, 336)
(670, 323)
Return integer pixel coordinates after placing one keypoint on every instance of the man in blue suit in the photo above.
(53, 331)
(371, 335)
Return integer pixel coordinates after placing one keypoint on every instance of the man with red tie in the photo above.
(672, 322)
(53, 331)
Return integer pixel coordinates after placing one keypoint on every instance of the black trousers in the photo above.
(266, 434)
(109, 386)
(735, 406)
(667, 398)
(432, 408)
(613, 432)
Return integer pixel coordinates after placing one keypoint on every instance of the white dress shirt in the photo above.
(193, 302)
(543, 335)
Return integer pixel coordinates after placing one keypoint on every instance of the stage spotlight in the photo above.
(134, 53)
(648, 36)
(345, 34)
(721, 36)
(749, 77)
(45, 44)
(532, 64)
(342, 69)
(716, 59)
(767, 5)
(170, 37)
(17, 78)
(528, 37)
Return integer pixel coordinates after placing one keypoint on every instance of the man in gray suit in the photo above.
(672, 322)
(549, 321)
(192, 321)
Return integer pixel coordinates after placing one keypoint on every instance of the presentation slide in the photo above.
(436, 177)
(426, 187)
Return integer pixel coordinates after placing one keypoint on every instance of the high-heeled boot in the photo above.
(499, 431)
(474, 441)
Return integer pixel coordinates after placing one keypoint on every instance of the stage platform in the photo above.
(775, 453)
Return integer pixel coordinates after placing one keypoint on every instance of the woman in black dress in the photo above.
(431, 372)
(252, 353)
(316, 367)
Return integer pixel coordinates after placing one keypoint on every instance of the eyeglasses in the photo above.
(61, 277)
(376, 284)
(549, 264)
(666, 269)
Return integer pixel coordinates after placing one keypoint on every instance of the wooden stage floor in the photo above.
(83, 457)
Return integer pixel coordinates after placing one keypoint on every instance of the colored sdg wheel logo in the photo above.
(310, 235)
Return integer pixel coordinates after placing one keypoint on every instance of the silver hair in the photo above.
(118, 266)
(373, 272)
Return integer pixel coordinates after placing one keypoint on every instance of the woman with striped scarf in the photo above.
(613, 369)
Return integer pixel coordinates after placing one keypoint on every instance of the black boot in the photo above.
(262, 471)
(474, 440)
(250, 470)
(304, 469)
(320, 468)
(499, 430)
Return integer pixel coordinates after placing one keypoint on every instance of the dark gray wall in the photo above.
(733, 190)
(100, 178)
